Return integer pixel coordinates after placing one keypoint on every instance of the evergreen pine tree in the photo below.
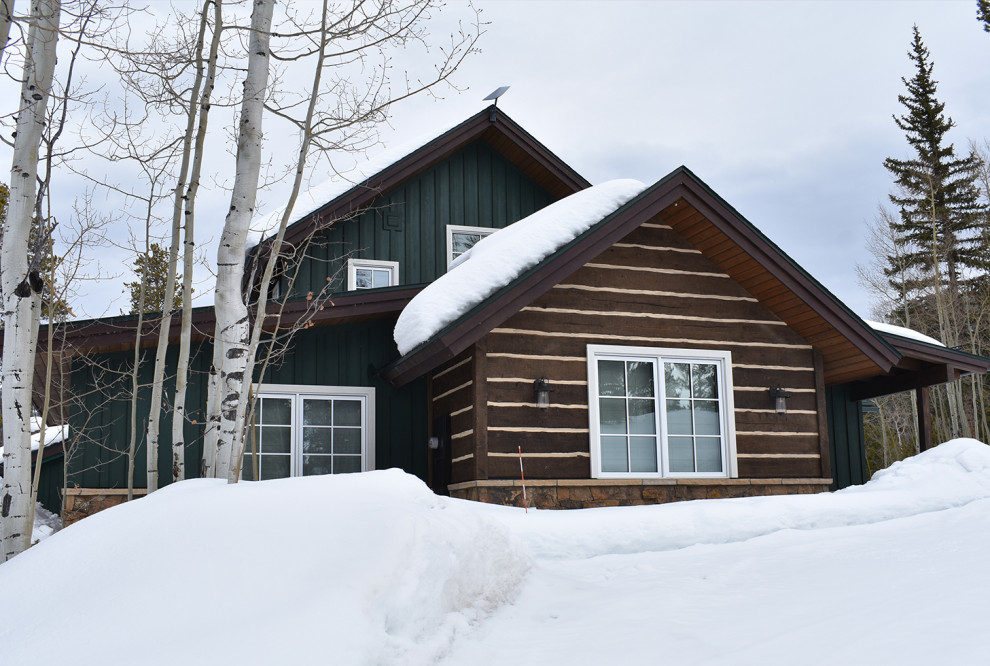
(983, 13)
(153, 268)
(938, 201)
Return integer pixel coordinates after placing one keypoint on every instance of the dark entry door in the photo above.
(440, 470)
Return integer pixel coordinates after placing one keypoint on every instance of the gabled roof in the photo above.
(851, 350)
(491, 125)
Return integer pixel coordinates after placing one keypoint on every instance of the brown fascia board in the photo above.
(787, 271)
(96, 333)
(91, 334)
(349, 306)
(570, 180)
(912, 349)
(922, 365)
(362, 194)
(679, 184)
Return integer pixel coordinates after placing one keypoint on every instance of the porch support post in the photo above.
(924, 418)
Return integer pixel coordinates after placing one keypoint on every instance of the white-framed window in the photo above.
(371, 274)
(308, 430)
(657, 412)
(460, 239)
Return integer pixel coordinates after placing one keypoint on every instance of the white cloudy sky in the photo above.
(783, 108)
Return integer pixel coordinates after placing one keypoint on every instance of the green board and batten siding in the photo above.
(474, 187)
(846, 439)
(100, 418)
(349, 355)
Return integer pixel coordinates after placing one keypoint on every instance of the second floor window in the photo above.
(371, 274)
(461, 239)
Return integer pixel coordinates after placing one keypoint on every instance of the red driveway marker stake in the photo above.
(523, 476)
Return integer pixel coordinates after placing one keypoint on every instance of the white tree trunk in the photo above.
(6, 18)
(20, 299)
(232, 340)
(189, 240)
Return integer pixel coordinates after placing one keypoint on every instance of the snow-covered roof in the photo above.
(53, 435)
(903, 332)
(498, 259)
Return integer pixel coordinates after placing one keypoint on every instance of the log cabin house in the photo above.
(684, 354)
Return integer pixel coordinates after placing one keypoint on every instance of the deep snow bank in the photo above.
(952, 474)
(357, 569)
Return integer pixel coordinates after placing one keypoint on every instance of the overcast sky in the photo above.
(783, 108)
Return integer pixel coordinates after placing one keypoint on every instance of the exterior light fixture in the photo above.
(541, 388)
(780, 397)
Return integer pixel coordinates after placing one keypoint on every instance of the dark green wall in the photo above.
(846, 440)
(474, 187)
(344, 355)
(100, 418)
(349, 355)
(51, 482)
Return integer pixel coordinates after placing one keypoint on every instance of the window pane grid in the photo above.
(371, 274)
(329, 433)
(306, 435)
(661, 415)
(627, 416)
(693, 421)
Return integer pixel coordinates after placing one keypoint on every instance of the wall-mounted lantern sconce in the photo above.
(541, 387)
(780, 397)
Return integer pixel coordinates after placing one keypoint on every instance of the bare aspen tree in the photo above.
(21, 291)
(232, 328)
(6, 19)
(333, 117)
(205, 79)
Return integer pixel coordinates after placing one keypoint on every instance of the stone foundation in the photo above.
(82, 502)
(589, 493)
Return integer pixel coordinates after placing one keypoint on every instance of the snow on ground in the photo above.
(361, 569)
(499, 258)
(374, 569)
(903, 332)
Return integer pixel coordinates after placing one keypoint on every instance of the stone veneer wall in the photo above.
(82, 502)
(584, 494)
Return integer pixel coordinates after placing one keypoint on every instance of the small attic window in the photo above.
(461, 239)
(371, 274)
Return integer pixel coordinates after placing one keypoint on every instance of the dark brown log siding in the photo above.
(653, 290)
(451, 390)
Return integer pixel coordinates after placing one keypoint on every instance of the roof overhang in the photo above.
(921, 364)
(851, 350)
(120, 333)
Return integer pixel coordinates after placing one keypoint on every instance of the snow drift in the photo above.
(374, 569)
(358, 569)
(950, 475)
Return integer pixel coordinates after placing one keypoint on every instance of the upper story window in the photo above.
(307, 430)
(660, 412)
(371, 274)
(461, 239)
